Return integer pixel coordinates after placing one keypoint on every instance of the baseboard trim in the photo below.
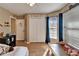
(27, 42)
(20, 40)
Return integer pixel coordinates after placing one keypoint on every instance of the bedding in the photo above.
(1, 50)
(18, 51)
(5, 49)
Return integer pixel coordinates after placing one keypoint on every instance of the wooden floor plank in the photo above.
(35, 49)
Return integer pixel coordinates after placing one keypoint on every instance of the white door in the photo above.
(20, 29)
(37, 29)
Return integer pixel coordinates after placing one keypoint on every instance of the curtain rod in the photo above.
(73, 6)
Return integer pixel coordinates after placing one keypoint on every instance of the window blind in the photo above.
(71, 27)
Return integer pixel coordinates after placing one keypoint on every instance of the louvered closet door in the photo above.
(37, 29)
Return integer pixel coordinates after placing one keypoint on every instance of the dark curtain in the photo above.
(60, 27)
(47, 30)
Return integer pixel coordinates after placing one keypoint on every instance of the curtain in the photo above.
(60, 27)
(47, 30)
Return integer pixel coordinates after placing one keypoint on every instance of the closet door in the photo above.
(37, 29)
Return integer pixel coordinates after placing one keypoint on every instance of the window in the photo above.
(71, 27)
(53, 27)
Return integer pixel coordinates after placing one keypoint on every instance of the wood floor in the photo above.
(35, 49)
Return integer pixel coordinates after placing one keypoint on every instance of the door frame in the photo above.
(13, 25)
(11, 17)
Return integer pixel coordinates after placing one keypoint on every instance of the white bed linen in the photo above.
(18, 51)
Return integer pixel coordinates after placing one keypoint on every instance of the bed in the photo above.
(18, 51)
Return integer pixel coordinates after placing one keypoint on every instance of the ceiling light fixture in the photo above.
(31, 4)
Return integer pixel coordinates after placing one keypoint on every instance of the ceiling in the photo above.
(23, 8)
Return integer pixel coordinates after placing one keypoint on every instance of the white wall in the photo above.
(5, 16)
(37, 28)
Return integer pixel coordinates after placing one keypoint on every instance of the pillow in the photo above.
(5, 49)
